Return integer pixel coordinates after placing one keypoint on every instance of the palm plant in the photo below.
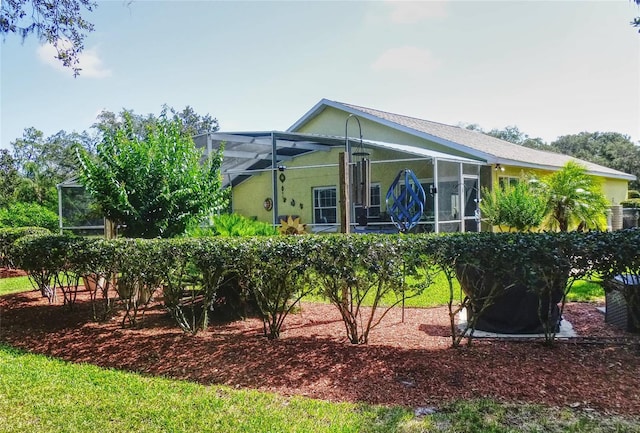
(574, 199)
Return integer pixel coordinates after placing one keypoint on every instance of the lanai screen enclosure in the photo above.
(296, 170)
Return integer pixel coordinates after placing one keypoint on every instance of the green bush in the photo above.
(632, 193)
(354, 272)
(8, 235)
(43, 257)
(233, 225)
(350, 270)
(631, 203)
(28, 215)
(514, 206)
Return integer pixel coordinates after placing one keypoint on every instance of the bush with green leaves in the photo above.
(20, 214)
(354, 270)
(43, 258)
(191, 279)
(616, 257)
(633, 203)
(141, 268)
(154, 184)
(8, 235)
(500, 272)
(94, 261)
(276, 271)
(515, 206)
(232, 225)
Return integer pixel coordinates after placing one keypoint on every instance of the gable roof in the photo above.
(474, 143)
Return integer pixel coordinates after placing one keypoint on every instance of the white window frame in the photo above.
(319, 189)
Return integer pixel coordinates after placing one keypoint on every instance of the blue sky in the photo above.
(551, 68)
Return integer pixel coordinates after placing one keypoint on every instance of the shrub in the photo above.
(514, 206)
(94, 262)
(8, 235)
(495, 269)
(157, 184)
(631, 203)
(43, 257)
(276, 270)
(141, 267)
(188, 295)
(233, 225)
(632, 193)
(28, 215)
(352, 269)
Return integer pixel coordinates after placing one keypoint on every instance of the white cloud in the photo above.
(409, 59)
(408, 12)
(90, 62)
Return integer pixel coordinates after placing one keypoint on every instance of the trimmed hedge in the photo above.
(8, 235)
(271, 274)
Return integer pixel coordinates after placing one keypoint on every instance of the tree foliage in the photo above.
(610, 149)
(191, 123)
(155, 183)
(513, 134)
(43, 162)
(9, 177)
(57, 22)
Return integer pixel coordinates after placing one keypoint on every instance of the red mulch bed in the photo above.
(10, 272)
(408, 363)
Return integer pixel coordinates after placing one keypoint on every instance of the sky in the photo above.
(551, 68)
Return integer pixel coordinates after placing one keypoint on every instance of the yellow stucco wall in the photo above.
(249, 196)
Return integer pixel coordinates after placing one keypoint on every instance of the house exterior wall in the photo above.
(297, 188)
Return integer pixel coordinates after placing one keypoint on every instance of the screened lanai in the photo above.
(252, 160)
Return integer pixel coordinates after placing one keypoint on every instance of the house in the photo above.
(274, 174)
(296, 172)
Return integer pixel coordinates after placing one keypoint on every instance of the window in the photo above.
(374, 207)
(503, 181)
(325, 205)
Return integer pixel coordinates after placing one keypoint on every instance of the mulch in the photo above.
(408, 363)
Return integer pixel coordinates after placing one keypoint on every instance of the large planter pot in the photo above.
(623, 302)
(515, 310)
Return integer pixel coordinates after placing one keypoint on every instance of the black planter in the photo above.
(514, 311)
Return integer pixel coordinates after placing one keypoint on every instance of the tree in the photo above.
(636, 20)
(45, 162)
(58, 22)
(610, 149)
(9, 177)
(191, 122)
(574, 199)
(154, 184)
(513, 134)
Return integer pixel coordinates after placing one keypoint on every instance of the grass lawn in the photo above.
(14, 285)
(39, 394)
